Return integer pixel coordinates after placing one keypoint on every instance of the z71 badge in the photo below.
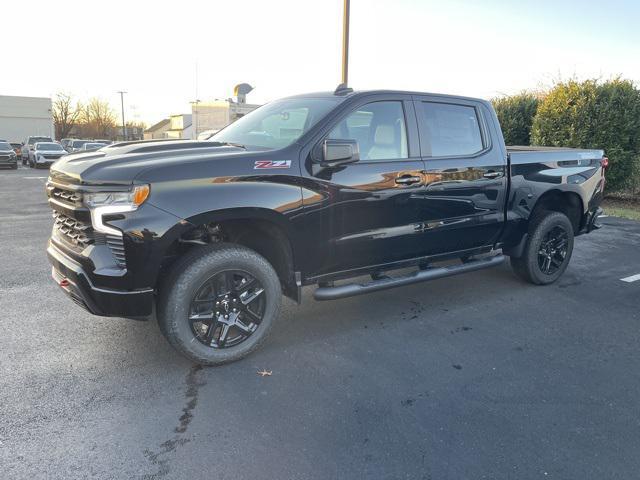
(260, 164)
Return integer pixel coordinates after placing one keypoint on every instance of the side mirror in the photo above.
(339, 152)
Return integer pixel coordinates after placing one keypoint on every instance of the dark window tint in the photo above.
(450, 130)
(379, 129)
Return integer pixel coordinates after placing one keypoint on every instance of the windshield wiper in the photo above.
(230, 144)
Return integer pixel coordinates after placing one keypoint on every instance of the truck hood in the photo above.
(121, 163)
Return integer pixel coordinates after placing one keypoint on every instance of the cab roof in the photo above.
(360, 93)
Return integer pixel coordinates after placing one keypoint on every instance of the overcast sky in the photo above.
(281, 47)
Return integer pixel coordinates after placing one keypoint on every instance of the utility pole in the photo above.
(124, 125)
(345, 43)
(195, 115)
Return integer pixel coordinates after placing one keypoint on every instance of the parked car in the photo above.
(65, 142)
(92, 146)
(27, 146)
(17, 148)
(311, 190)
(45, 153)
(75, 145)
(106, 142)
(8, 156)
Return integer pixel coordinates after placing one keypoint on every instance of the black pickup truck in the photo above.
(314, 189)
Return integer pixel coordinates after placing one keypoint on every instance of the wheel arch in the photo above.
(267, 232)
(568, 203)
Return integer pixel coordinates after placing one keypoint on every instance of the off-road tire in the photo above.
(186, 277)
(527, 267)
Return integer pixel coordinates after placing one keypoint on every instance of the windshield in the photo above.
(5, 146)
(48, 146)
(78, 143)
(88, 146)
(277, 124)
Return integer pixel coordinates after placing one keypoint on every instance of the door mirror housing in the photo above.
(339, 152)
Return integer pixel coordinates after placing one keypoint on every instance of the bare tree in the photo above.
(66, 113)
(98, 119)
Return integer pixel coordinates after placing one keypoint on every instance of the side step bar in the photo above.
(352, 289)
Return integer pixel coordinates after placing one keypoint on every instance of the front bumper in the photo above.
(45, 161)
(75, 282)
(8, 162)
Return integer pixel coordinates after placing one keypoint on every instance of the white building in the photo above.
(176, 126)
(24, 116)
(158, 130)
(180, 126)
(208, 116)
(217, 114)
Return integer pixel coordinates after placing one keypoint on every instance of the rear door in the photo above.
(465, 174)
(368, 212)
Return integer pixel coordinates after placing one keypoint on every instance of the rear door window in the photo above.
(450, 130)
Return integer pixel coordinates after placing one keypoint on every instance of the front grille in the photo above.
(79, 234)
(116, 245)
(52, 157)
(68, 197)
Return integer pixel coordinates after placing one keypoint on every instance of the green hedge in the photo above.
(593, 114)
(516, 114)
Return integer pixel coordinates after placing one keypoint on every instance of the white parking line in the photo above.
(632, 278)
(37, 178)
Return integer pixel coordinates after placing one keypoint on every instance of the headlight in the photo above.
(109, 203)
(134, 197)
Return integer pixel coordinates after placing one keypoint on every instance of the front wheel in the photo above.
(548, 249)
(219, 303)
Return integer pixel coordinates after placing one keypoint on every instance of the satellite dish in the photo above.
(241, 90)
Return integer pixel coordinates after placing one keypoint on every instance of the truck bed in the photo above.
(535, 154)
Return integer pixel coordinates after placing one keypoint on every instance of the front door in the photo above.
(368, 212)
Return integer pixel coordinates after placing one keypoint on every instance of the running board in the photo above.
(352, 289)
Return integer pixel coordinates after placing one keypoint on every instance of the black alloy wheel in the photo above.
(227, 309)
(218, 303)
(548, 248)
(553, 250)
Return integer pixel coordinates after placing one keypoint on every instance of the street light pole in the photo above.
(345, 43)
(194, 104)
(124, 126)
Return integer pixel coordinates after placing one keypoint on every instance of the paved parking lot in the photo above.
(478, 376)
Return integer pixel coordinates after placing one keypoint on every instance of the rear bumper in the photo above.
(590, 220)
(74, 281)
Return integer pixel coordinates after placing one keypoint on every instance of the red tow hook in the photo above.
(64, 283)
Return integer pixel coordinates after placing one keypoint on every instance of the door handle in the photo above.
(408, 180)
(493, 174)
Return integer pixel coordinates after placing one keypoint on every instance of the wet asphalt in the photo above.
(479, 376)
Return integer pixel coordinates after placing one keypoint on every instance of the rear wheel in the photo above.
(548, 249)
(219, 303)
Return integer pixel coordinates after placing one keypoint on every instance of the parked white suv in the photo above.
(28, 144)
(45, 153)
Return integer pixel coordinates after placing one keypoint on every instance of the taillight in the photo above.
(604, 162)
